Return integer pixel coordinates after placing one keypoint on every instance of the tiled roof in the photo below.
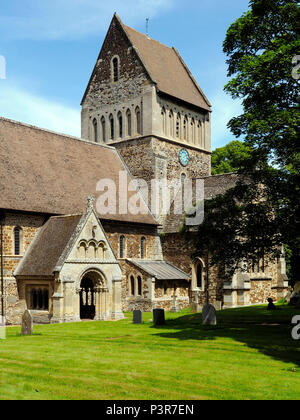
(46, 172)
(48, 246)
(161, 270)
(213, 186)
(167, 69)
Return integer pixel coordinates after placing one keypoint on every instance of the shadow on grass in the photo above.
(268, 332)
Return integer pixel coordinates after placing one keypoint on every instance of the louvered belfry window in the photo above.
(116, 69)
(17, 238)
(122, 246)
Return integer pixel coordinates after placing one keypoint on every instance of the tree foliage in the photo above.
(229, 158)
(260, 47)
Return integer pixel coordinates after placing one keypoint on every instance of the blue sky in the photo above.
(50, 48)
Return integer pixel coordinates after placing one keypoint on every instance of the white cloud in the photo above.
(20, 105)
(73, 19)
(224, 108)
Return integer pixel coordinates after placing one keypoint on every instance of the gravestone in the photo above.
(159, 316)
(27, 323)
(137, 317)
(174, 308)
(288, 296)
(271, 306)
(209, 315)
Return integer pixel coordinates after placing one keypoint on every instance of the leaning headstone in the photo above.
(294, 299)
(288, 296)
(137, 317)
(159, 316)
(297, 287)
(27, 323)
(209, 315)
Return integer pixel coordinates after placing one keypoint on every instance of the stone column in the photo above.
(70, 306)
(117, 312)
(77, 303)
(101, 304)
(85, 123)
(97, 303)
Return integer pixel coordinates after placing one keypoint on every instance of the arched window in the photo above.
(199, 275)
(122, 246)
(178, 126)
(18, 240)
(193, 131)
(115, 69)
(95, 125)
(199, 127)
(163, 117)
(91, 251)
(185, 129)
(143, 248)
(120, 122)
(139, 281)
(128, 117)
(183, 178)
(103, 125)
(82, 250)
(132, 286)
(171, 122)
(138, 128)
(112, 127)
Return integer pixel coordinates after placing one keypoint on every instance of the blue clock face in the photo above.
(184, 157)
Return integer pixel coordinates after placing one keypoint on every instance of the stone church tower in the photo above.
(143, 100)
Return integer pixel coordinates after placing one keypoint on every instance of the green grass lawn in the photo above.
(247, 356)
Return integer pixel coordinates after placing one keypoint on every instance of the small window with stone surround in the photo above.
(178, 126)
(139, 282)
(95, 126)
(171, 122)
(122, 246)
(115, 69)
(143, 248)
(128, 117)
(120, 122)
(199, 127)
(18, 240)
(103, 126)
(185, 129)
(112, 127)
(132, 285)
(193, 131)
(138, 126)
(163, 117)
(199, 275)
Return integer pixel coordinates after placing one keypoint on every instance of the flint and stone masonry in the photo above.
(63, 260)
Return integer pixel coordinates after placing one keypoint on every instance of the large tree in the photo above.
(260, 48)
(229, 158)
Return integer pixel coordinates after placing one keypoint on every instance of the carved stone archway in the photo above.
(93, 296)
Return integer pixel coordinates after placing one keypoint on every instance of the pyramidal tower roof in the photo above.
(165, 67)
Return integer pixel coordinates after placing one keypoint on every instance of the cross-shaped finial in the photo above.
(90, 201)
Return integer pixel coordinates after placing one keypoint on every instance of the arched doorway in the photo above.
(93, 296)
(87, 299)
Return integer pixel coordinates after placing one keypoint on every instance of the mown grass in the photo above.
(249, 355)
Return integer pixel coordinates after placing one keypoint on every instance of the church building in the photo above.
(144, 117)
